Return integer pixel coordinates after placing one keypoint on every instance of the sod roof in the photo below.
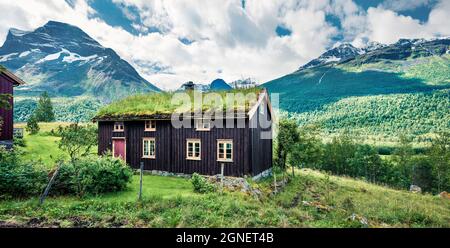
(162, 105)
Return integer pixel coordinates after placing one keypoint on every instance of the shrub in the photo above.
(77, 140)
(17, 178)
(201, 185)
(32, 125)
(92, 175)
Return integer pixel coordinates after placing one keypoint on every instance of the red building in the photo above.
(7, 82)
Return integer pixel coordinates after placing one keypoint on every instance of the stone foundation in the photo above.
(263, 175)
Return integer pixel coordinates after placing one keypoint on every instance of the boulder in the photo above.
(415, 189)
(444, 195)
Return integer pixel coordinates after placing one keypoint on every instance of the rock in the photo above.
(444, 195)
(415, 189)
(360, 219)
(319, 206)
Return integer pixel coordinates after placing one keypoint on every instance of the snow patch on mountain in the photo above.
(50, 57)
(73, 57)
(6, 57)
(18, 32)
(24, 54)
(338, 53)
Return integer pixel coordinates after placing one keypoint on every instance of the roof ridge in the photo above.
(11, 75)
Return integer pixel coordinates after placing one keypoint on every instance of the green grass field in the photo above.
(43, 146)
(311, 199)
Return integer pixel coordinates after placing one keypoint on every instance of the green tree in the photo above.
(402, 158)
(44, 110)
(338, 152)
(77, 140)
(286, 139)
(367, 163)
(308, 151)
(423, 173)
(439, 155)
(32, 125)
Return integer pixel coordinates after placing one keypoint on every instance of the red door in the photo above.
(119, 148)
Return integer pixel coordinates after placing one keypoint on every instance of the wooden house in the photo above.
(7, 82)
(138, 134)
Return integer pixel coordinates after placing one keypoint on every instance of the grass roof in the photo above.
(165, 103)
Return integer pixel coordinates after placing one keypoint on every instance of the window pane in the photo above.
(145, 147)
(152, 148)
(190, 149)
(228, 155)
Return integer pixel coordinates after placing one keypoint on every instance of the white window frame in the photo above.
(225, 142)
(117, 126)
(193, 156)
(150, 155)
(200, 125)
(152, 127)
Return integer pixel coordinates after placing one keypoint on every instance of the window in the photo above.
(203, 125)
(149, 146)
(193, 149)
(225, 150)
(118, 127)
(150, 126)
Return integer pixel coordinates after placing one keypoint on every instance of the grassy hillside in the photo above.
(418, 114)
(75, 109)
(312, 199)
(385, 97)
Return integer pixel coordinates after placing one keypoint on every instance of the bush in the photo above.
(92, 175)
(32, 125)
(19, 179)
(201, 185)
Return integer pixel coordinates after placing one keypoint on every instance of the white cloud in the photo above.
(387, 26)
(403, 5)
(230, 42)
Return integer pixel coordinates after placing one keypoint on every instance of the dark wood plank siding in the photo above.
(261, 157)
(6, 87)
(171, 147)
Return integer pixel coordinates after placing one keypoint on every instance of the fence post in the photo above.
(49, 185)
(222, 165)
(140, 182)
(274, 179)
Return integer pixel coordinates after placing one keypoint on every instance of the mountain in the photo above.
(66, 62)
(383, 89)
(336, 54)
(219, 84)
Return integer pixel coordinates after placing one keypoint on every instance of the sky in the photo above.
(170, 42)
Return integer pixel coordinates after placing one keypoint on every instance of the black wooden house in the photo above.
(151, 138)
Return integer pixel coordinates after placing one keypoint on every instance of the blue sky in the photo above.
(173, 41)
